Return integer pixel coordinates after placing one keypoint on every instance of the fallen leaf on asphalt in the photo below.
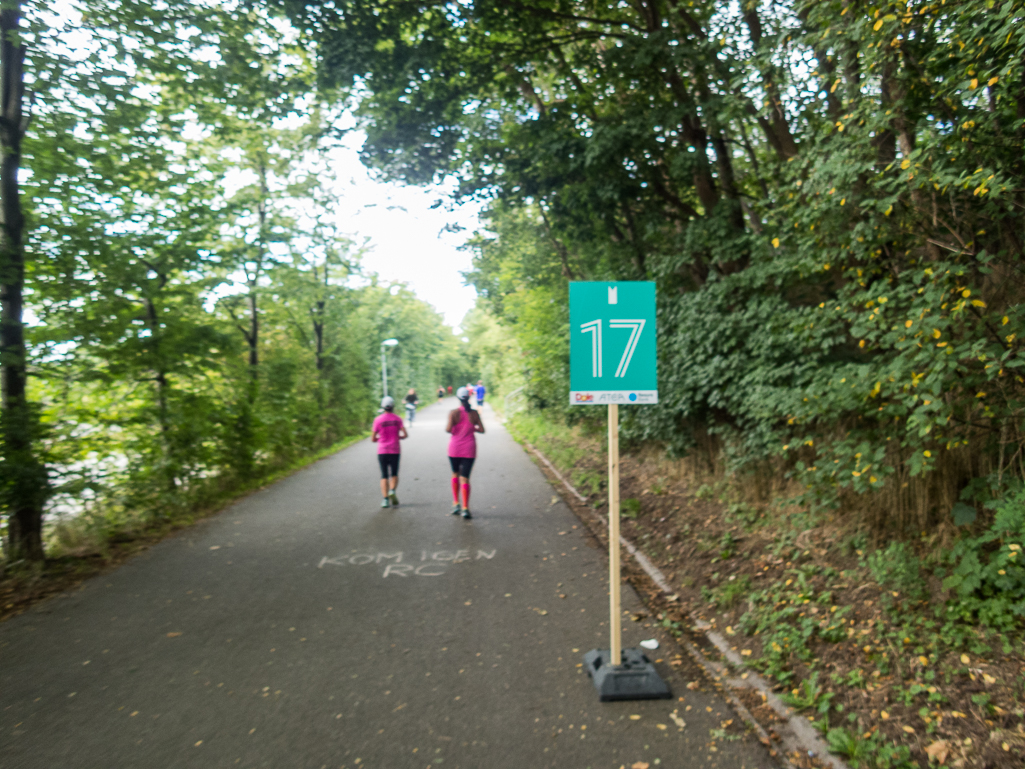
(542, 612)
(693, 685)
(215, 547)
(198, 744)
(938, 751)
(660, 726)
(640, 765)
(400, 707)
(677, 720)
(635, 718)
(467, 603)
(173, 635)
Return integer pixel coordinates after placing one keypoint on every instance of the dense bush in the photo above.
(988, 576)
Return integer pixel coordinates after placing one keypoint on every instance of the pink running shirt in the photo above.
(463, 442)
(387, 427)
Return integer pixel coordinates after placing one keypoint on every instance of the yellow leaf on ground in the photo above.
(640, 765)
(965, 659)
(173, 635)
(660, 726)
(884, 715)
(635, 718)
(909, 729)
(938, 752)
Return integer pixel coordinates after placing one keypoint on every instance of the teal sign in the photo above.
(612, 351)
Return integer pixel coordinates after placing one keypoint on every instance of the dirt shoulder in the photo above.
(852, 642)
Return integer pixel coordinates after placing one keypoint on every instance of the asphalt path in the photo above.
(306, 627)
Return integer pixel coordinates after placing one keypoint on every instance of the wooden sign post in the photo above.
(615, 610)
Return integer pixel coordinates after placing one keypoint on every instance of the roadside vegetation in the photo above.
(193, 318)
(902, 654)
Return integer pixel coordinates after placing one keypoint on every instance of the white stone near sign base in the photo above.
(605, 397)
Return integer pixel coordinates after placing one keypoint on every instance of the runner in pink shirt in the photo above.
(388, 431)
(463, 424)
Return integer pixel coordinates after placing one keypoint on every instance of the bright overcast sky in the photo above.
(407, 238)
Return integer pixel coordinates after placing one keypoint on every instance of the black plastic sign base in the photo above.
(635, 679)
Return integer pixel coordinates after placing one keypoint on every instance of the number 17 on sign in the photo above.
(615, 320)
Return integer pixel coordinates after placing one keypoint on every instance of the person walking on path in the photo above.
(441, 393)
(411, 402)
(463, 424)
(388, 431)
(480, 393)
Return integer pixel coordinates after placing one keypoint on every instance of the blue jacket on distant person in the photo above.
(480, 392)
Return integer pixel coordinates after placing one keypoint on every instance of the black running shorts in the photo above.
(389, 462)
(461, 465)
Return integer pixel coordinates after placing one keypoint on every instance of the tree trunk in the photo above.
(24, 488)
(162, 386)
(318, 333)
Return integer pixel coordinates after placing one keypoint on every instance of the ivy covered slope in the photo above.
(828, 194)
(195, 317)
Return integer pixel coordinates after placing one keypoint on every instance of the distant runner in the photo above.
(388, 430)
(410, 402)
(450, 389)
(463, 424)
(480, 393)
(441, 393)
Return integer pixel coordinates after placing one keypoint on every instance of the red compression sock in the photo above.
(455, 491)
(466, 496)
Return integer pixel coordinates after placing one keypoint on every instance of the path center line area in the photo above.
(305, 626)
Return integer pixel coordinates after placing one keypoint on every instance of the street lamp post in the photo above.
(384, 363)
